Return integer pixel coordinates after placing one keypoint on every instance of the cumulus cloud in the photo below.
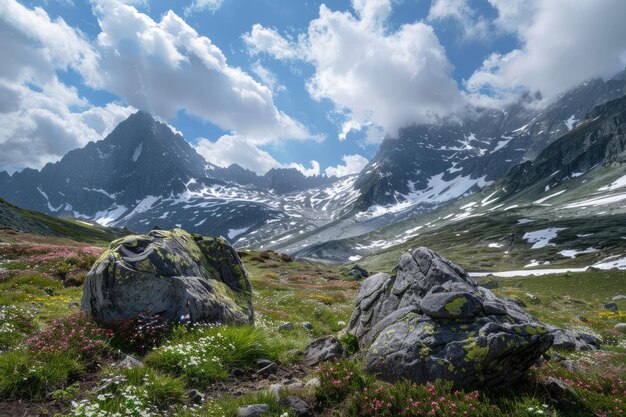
(167, 66)
(352, 164)
(371, 74)
(41, 118)
(267, 40)
(472, 25)
(267, 77)
(232, 149)
(203, 5)
(563, 43)
(309, 172)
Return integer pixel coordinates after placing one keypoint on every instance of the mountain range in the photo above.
(144, 175)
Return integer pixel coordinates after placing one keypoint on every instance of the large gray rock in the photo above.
(171, 273)
(431, 321)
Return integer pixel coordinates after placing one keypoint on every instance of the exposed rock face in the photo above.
(171, 273)
(432, 321)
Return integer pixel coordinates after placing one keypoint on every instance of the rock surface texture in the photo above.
(430, 320)
(171, 273)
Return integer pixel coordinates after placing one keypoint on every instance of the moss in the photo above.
(475, 352)
(455, 306)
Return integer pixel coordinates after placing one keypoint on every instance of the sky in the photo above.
(281, 83)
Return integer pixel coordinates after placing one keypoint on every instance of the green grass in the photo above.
(69, 228)
(29, 375)
(205, 354)
(573, 300)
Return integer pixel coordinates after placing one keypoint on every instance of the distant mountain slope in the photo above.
(144, 175)
(28, 221)
(564, 208)
(459, 156)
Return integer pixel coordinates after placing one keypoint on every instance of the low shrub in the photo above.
(76, 335)
(340, 379)
(406, 398)
(141, 333)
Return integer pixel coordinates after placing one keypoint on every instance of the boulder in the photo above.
(171, 273)
(325, 348)
(358, 272)
(430, 321)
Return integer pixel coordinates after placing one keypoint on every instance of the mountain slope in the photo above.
(28, 221)
(564, 208)
(476, 150)
(143, 175)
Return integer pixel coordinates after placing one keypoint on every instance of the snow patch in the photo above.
(572, 253)
(571, 122)
(354, 258)
(541, 200)
(541, 238)
(137, 152)
(233, 233)
(618, 183)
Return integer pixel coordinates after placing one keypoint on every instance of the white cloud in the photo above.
(202, 5)
(352, 164)
(472, 25)
(41, 118)
(231, 149)
(309, 172)
(166, 66)
(267, 77)
(267, 40)
(563, 43)
(371, 74)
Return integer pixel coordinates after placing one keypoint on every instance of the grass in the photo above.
(30, 375)
(205, 354)
(34, 294)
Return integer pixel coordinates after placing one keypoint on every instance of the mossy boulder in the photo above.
(180, 276)
(430, 321)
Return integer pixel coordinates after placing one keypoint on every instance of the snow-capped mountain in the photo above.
(143, 175)
(430, 164)
(568, 203)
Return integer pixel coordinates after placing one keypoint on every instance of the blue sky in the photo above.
(267, 83)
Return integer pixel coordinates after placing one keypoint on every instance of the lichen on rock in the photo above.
(431, 321)
(171, 273)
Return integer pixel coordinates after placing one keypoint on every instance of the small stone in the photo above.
(621, 327)
(129, 362)
(285, 327)
(611, 307)
(490, 285)
(533, 298)
(569, 365)
(308, 326)
(262, 363)
(559, 391)
(253, 410)
(297, 407)
(270, 369)
(323, 349)
(277, 390)
(195, 396)
(619, 297)
(312, 383)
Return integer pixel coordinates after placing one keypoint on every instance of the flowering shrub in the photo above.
(598, 385)
(140, 333)
(76, 334)
(15, 323)
(409, 399)
(340, 379)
